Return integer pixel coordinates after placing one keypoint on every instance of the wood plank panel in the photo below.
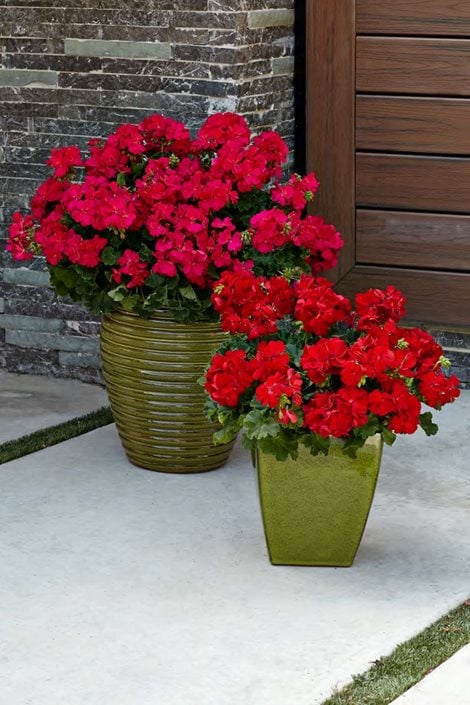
(331, 42)
(415, 17)
(413, 183)
(413, 66)
(421, 240)
(433, 297)
(425, 125)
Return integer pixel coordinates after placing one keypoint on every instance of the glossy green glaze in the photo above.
(315, 508)
(151, 367)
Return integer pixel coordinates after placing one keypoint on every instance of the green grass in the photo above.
(409, 663)
(54, 434)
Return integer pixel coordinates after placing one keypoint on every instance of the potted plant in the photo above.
(317, 386)
(139, 231)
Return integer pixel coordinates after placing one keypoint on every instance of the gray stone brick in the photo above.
(28, 77)
(2, 305)
(30, 323)
(70, 343)
(259, 19)
(30, 360)
(283, 65)
(88, 328)
(117, 48)
(24, 276)
(72, 359)
(452, 339)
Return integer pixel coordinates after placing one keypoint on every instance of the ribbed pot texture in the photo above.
(151, 367)
(315, 508)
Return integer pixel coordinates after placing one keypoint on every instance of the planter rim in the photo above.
(159, 313)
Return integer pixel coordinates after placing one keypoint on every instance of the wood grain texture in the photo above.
(330, 114)
(413, 183)
(432, 297)
(413, 66)
(415, 17)
(421, 240)
(423, 125)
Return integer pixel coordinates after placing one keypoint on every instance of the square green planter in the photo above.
(315, 508)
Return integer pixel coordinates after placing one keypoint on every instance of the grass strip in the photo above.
(392, 675)
(11, 450)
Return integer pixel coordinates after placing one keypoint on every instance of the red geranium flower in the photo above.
(64, 159)
(131, 266)
(408, 409)
(322, 241)
(21, 237)
(336, 414)
(323, 358)
(269, 230)
(437, 389)
(220, 128)
(296, 192)
(228, 377)
(271, 357)
(376, 306)
(278, 386)
(318, 306)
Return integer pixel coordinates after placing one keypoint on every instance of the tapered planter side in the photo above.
(151, 367)
(315, 508)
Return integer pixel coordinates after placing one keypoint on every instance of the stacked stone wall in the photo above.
(73, 70)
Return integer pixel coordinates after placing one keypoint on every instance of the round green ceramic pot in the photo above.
(151, 367)
(315, 508)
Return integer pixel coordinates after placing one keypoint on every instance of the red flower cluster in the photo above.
(253, 305)
(229, 377)
(161, 203)
(250, 304)
(318, 365)
(21, 237)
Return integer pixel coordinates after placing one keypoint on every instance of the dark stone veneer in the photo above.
(69, 73)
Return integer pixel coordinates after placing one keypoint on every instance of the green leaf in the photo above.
(294, 352)
(258, 424)
(275, 446)
(211, 409)
(427, 424)
(118, 294)
(352, 445)
(187, 292)
(388, 436)
(283, 446)
(370, 428)
(228, 432)
(267, 429)
(64, 275)
(153, 281)
(225, 435)
(129, 303)
(121, 179)
(109, 256)
(317, 444)
(61, 288)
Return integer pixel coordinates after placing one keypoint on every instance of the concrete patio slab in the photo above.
(447, 685)
(29, 402)
(126, 587)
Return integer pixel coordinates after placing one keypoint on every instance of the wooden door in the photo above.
(388, 133)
